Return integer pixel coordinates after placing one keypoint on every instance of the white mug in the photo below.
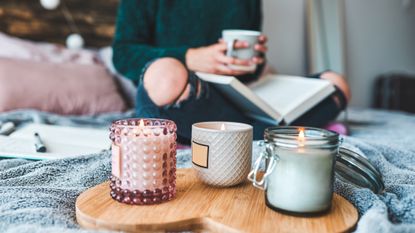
(231, 36)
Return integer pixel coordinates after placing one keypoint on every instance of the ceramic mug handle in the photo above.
(252, 176)
(229, 47)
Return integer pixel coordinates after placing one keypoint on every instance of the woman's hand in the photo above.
(212, 59)
(262, 48)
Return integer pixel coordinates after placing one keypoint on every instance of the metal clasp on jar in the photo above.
(268, 156)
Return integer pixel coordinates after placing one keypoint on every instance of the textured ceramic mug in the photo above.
(222, 152)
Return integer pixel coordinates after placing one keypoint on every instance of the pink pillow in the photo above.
(63, 88)
(13, 47)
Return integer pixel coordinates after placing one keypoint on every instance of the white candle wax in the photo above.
(301, 180)
(300, 169)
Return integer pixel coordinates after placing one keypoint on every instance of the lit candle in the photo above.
(222, 152)
(302, 178)
(143, 161)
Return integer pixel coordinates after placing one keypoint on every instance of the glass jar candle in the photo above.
(299, 173)
(143, 161)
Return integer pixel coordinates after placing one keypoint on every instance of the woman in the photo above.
(159, 44)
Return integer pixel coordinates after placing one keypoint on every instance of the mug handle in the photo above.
(229, 48)
(252, 176)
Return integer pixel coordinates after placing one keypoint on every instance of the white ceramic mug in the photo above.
(222, 152)
(231, 36)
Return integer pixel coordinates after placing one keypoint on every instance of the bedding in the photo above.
(52, 78)
(39, 196)
(16, 48)
(64, 88)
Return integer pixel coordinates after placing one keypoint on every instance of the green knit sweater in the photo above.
(150, 29)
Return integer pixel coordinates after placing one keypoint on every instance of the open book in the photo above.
(274, 99)
(60, 141)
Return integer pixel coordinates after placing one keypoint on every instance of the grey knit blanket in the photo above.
(39, 196)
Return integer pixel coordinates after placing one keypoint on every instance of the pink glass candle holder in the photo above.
(143, 161)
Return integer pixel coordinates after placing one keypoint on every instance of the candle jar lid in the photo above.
(354, 168)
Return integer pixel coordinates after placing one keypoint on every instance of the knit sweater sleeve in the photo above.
(132, 46)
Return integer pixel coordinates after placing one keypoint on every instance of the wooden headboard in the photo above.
(28, 19)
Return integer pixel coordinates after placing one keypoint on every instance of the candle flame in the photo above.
(141, 125)
(301, 137)
(222, 127)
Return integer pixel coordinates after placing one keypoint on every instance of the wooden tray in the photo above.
(199, 207)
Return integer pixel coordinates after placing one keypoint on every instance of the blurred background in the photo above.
(363, 39)
(372, 42)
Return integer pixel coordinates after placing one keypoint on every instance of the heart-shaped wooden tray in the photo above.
(199, 207)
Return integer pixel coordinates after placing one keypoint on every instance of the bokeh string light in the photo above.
(74, 40)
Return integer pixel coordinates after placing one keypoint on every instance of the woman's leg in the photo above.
(340, 82)
(165, 79)
(329, 108)
(168, 90)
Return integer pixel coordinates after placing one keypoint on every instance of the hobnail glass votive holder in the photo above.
(143, 161)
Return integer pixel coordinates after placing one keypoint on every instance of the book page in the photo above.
(60, 142)
(76, 136)
(288, 93)
(24, 148)
(273, 98)
(243, 97)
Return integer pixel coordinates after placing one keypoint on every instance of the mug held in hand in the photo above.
(231, 36)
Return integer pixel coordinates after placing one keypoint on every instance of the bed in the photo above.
(39, 196)
(34, 59)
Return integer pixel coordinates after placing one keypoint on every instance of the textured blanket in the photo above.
(39, 196)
